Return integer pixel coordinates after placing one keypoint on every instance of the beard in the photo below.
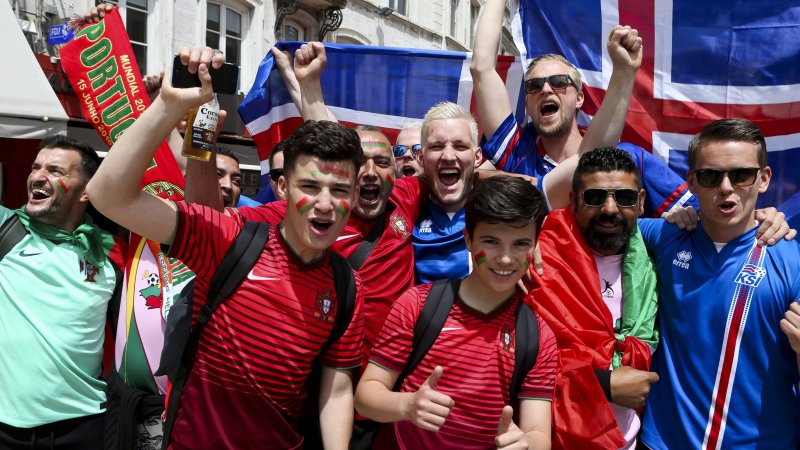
(562, 127)
(605, 242)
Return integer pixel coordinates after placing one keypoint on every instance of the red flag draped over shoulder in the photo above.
(102, 69)
(568, 297)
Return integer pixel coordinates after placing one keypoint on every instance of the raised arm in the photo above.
(114, 190)
(309, 62)
(625, 49)
(202, 181)
(490, 91)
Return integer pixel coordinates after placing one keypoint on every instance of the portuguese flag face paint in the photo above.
(527, 262)
(304, 205)
(388, 183)
(480, 258)
(60, 183)
(343, 208)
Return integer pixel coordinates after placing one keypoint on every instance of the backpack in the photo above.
(434, 313)
(181, 339)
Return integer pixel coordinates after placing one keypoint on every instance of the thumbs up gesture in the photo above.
(509, 435)
(427, 408)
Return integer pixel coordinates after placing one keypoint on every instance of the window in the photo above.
(134, 16)
(292, 31)
(224, 31)
(399, 6)
(453, 10)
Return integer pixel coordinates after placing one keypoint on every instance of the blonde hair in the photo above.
(573, 71)
(450, 110)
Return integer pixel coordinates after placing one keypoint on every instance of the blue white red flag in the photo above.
(379, 86)
(702, 61)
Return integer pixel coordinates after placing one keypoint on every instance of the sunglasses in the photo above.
(556, 82)
(740, 177)
(275, 174)
(596, 197)
(400, 150)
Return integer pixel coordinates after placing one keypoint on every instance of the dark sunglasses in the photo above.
(275, 174)
(556, 82)
(740, 177)
(596, 197)
(400, 150)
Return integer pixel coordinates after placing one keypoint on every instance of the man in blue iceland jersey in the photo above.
(553, 96)
(728, 357)
(439, 248)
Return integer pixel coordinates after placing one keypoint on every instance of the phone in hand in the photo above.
(224, 80)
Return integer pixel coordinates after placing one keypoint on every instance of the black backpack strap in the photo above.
(345, 284)
(527, 347)
(11, 233)
(429, 324)
(237, 262)
(363, 250)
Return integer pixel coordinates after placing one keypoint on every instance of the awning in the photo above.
(29, 109)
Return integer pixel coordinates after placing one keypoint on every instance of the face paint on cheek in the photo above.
(527, 263)
(480, 258)
(30, 181)
(60, 183)
(343, 208)
(388, 183)
(304, 205)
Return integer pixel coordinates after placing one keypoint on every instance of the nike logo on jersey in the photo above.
(23, 254)
(252, 276)
(341, 238)
(451, 328)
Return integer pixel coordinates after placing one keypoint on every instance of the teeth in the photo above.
(448, 172)
(503, 272)
(40, 192)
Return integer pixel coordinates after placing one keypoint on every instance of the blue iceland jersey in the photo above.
(439, 248)
(728, 377)
(515, 149)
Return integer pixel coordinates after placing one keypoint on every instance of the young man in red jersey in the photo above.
(247, 384)
(458, 395)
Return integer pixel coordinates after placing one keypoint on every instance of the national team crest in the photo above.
(325, 306)
(507, 339)
(751, 275)
(90, 270)
(399, 225)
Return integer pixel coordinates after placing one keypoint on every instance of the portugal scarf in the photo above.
(568, 297)
(101, 67)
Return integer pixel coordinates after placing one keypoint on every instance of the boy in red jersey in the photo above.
(247, 384)
(458, 395)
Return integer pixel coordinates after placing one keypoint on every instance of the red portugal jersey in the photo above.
(389, 269)
(476, 351)
(247, 386)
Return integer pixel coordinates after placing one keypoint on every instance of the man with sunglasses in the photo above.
(407, 151)
(553, 98)
(597, 292)
(275, 161)
(729, 374)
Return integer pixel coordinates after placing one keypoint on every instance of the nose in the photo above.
(368, 170)
(324, 202)
(225, 182)
(725, 185)
(505, 257)
(610, 205)
(449, 153)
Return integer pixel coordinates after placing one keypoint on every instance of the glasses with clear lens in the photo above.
(739, 177)
(556, 82)
(275, 174)
(400, 150)
(596, 197)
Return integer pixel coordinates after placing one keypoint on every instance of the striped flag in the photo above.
(379, 86)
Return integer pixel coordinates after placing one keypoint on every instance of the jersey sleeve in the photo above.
(393, 346)
(501, 148)
(271, 213)
(651, 230)
(202, 238)
(665, 188)
(347, 352)
(541, 380)
(410, 195)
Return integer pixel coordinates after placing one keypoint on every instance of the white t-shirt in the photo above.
(610, 270)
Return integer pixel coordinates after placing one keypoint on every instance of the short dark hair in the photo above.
(327, 141)
(90, 161)
(279, 147)
(605, 159)
(503, 199)
(729, 130)
(225, 151)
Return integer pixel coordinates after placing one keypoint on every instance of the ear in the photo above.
(765, 177)
(642, 196)
(282, 187)
(478, 157)
(468, 240)
(691, 181)
(579, 101)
